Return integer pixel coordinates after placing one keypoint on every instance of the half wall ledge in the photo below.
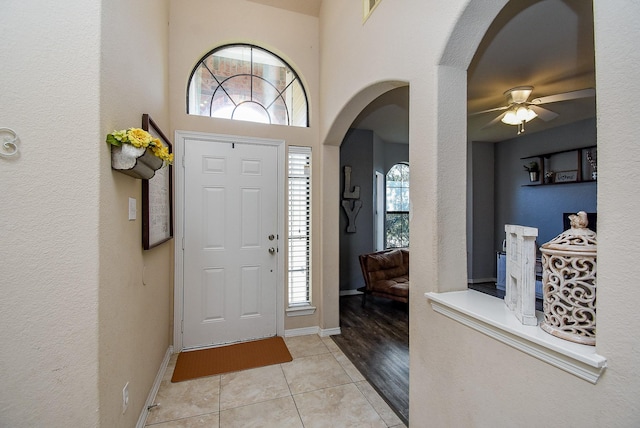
(489, 315)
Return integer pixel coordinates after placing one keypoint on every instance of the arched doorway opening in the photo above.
(375, 336)
(558, 65)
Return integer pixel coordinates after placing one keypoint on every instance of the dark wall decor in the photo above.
(157, 196)
(351, 195)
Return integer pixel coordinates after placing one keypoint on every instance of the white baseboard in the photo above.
(481, 280)
(154, 389)
(301, 331)
(349, 292)
(312, 330)
(329, 332)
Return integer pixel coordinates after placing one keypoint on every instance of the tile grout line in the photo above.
(371, 404)
(335, 352)
(364, 379)
(291, 393)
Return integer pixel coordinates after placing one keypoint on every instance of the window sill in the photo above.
(489, 315)
(298, 311)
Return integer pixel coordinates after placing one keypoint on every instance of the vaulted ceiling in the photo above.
(547, 44)
(306, 7)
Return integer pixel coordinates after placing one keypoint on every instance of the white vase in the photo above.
(137, 162)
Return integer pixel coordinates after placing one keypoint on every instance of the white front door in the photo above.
(230, 241)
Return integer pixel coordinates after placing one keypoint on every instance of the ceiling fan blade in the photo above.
(488, 111)
(494, 121)
(543, 113)
(565, 96)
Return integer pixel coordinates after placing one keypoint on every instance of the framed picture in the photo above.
(157, 196)
(566, 176)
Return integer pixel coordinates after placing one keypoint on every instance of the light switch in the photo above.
(132, 208)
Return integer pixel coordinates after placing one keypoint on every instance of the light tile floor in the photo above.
(319, 388)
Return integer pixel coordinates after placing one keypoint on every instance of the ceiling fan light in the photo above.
(530, 115)
(521, 114)
(510, 118)
(525, 114)
(519, 94)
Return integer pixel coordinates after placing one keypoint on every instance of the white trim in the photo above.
(301, 331)
(489, 315)
(179, 147)
(379, 211)
(350, 292)
(306, 331)
(368, 11)
(142, 420)
(298, 311)
(326, 332)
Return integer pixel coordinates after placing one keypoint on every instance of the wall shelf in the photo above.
(566, 166)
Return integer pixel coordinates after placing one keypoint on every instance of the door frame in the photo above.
(178, 288)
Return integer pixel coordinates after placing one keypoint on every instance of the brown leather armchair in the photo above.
(386, 274)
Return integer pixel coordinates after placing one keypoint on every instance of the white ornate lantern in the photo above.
(569, 283)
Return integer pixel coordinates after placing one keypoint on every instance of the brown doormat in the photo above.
(230, 358)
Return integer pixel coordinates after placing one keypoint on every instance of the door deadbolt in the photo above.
(272, 237)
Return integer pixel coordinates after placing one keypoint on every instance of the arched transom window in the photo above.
(246, 82)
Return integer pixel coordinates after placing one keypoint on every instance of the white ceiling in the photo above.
(306, 7)
(547, 44)
(387, 116)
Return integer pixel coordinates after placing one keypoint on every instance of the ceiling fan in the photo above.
(520, 111)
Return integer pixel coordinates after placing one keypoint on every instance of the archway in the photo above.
(330, 181)
(354, 106)
(362, 128)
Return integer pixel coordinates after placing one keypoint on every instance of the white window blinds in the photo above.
(299, 225)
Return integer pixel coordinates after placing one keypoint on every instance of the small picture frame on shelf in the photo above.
(566, 176)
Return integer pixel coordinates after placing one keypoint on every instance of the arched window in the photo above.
(397, 206)
(246, 82)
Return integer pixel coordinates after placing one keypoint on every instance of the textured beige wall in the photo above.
(618, 335)
(205, 25)
(460, 377)
(78, 322)
(49, 253)
(134, 310)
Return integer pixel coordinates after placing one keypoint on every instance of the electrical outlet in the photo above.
(125, 397)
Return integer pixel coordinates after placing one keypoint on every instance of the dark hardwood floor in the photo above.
(376, 340)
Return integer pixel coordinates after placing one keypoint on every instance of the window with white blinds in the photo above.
(299, 225)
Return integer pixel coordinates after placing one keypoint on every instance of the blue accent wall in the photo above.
(366, 153)
(540, 206)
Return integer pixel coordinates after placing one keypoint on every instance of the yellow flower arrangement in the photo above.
(140, 138)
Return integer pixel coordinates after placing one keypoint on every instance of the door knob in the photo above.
(272, 250)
